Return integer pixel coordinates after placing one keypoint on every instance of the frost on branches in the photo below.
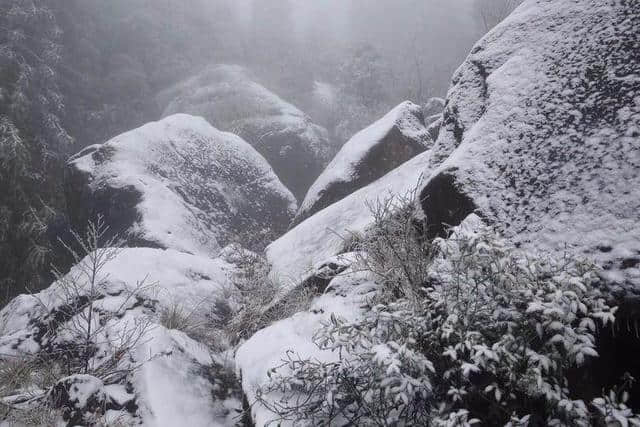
(481, 333)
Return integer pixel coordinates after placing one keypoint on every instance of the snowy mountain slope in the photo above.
(543, 126)
(231, 100)
(371, 153)
(178, 183)
(175, 377)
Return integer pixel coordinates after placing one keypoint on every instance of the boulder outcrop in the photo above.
(178, 183)
(231, 100)
(542, 133)
(397, 137)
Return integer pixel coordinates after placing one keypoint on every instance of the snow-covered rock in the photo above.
(230, 99)
(294, 336)
(178, 183)
(371, 153)
(80, 397)
(295, 255)
(147, 372)
(542, 133)
(432, 110)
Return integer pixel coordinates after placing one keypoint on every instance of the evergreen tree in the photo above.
(31, 138)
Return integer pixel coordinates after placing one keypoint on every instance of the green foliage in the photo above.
(464, 330)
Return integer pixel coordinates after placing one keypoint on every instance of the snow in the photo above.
(350, 164)
(176, 376)
(268, 347)
(173, 386)
(174, 277)
(198, 186)
(546, 150)
(323, 235)
(84, 387)
(232, 100)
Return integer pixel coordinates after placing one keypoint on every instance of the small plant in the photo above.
(76, 334)
(251, 292)
(463, 330)
(198, 320)
(254, 299)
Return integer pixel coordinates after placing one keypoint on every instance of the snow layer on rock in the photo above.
(323, 235)
(177, 379)
(372, 152)
(195, 187)
(171, 277)
(175, 384)
(267, 348)
(229, 98)
(542, 125)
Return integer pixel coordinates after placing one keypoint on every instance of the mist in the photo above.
(389, 50)
(319, 212)
(98, 69)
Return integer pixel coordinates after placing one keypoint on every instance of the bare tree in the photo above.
(78, 334)
(80, 290)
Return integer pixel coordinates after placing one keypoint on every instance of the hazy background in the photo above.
(78, 72)
(373, 53)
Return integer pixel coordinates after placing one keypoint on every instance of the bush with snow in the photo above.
(250, 303)
(463, 330)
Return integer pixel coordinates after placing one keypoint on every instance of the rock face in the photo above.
(370, 154)
(432, 110)
(295, 255)
(178, 183)
(542, 133)
(141, 369)
(228, 98)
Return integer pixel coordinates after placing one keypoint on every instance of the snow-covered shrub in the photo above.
(75, 334)
(75, 342)
(464, 330)
(186, 319)
(253, 292)
(393, 250)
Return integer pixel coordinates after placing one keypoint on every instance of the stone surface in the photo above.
(370, 154)
(229, 98)
(178, 183)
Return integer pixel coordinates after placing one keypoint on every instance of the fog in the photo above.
(374, 54)
(370, 54)
(79, 72)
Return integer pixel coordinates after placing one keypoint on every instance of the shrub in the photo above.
(255, 298)
(463, 330)
(75, 334)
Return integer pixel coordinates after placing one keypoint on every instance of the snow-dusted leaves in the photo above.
(490, 337)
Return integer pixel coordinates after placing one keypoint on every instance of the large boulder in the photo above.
(370, 154)
(230, 99)
(178, 183)
(542, 133)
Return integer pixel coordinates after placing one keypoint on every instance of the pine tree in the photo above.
(31, 138)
